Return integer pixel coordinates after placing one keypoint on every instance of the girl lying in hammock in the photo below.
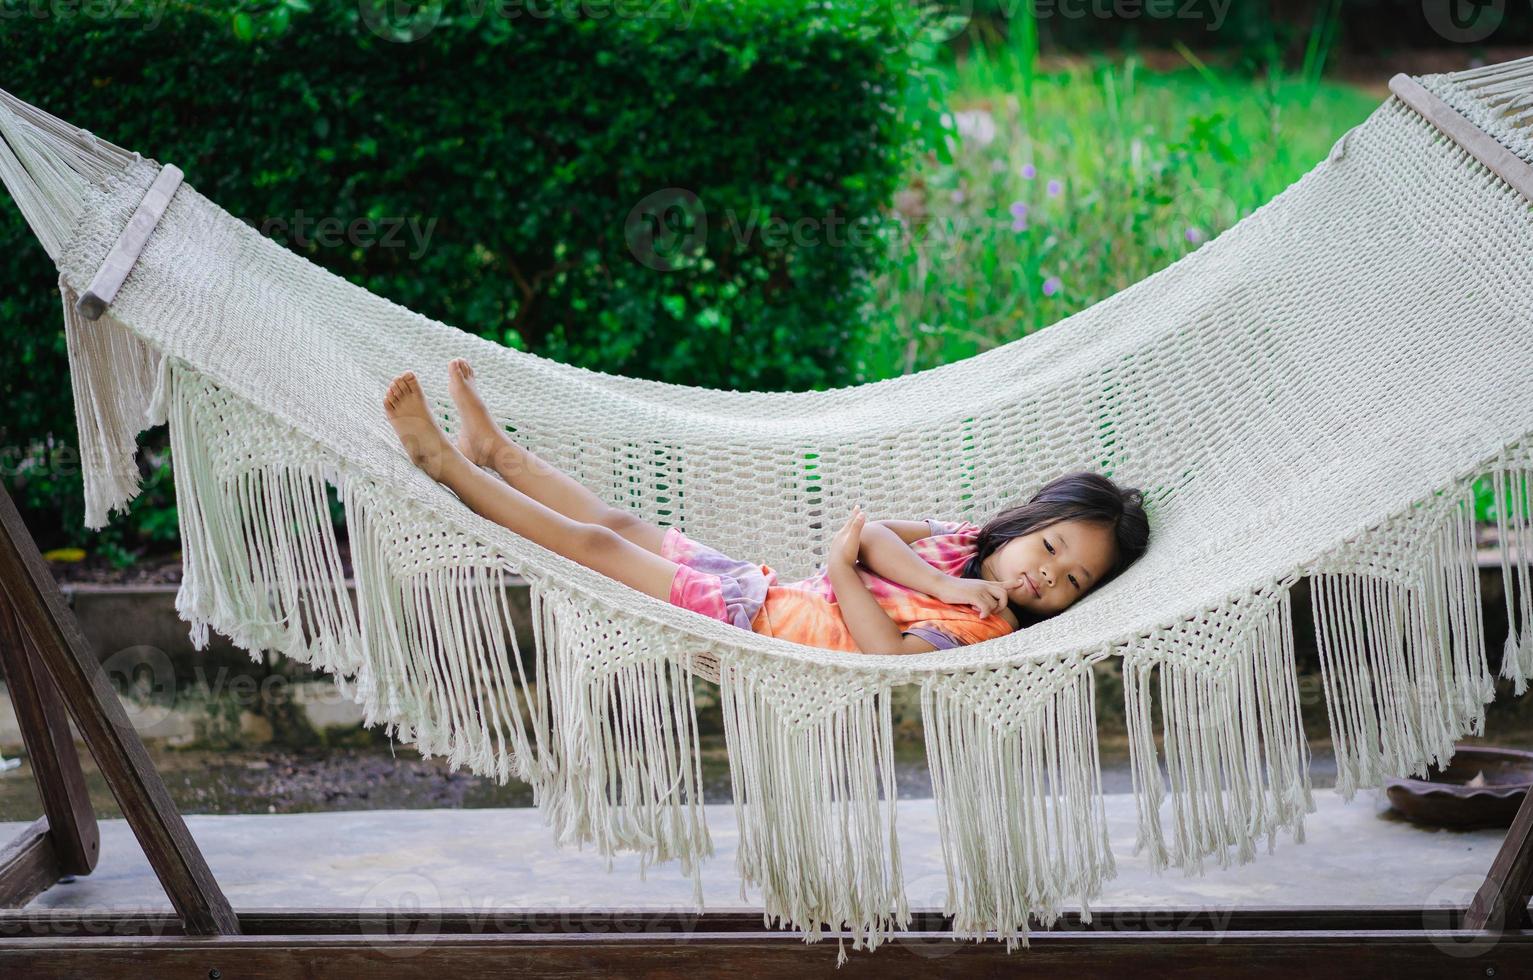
(920, 585)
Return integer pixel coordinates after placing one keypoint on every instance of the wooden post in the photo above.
(50, 747)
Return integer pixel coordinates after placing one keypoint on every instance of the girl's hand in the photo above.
(848, 541)
(984, 595)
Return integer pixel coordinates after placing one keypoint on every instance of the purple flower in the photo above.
(1194, 235)
(958, 197)
(1051, 285)
(1029, 171)
(1018, 216)
(1054, 188)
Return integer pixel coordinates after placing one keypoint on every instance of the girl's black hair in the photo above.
(1079, 496)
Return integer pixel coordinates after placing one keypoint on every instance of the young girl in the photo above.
(887, 587)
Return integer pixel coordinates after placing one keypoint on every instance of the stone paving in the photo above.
(1355, 853)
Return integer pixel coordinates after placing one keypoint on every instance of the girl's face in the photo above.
(1059, 564)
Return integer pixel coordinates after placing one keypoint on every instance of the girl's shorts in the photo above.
(713, 583)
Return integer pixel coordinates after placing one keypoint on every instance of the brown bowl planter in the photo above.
(1445, 798)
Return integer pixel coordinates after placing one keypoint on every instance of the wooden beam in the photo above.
(50, 746)
(114, 269)
(652, 921)
(28, 865)
(764, 954)
(120, 755)
(1502, 901)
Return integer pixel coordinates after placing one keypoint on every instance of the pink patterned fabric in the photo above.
(750, 596)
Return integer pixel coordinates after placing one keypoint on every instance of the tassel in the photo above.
(1512, 483)
(437, 645)
(1236, 758)
(1018, 793)
(810, 751)
(618, 758)
(259, 556)
(113, 375)
(1402, 651)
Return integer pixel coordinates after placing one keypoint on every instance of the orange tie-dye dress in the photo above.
(751, 597)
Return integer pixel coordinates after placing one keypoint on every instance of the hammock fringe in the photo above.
(1512, 483)
(113, 376)
(618, 760)
(1019, 800)
(1235, 754)
(807, 780)
(259, 556)
(441, 668)
(1402, 652)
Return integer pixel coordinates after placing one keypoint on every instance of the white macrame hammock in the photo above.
(1310, 394)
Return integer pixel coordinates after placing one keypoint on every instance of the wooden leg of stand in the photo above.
(1502, 902)
(76, 674)
(51, 753)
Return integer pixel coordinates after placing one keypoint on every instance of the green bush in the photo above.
(669, 189)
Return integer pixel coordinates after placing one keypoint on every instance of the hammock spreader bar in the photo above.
(1475, 141)
(119, 261)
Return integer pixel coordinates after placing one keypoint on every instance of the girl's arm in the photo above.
(885, 548)
(870, 626)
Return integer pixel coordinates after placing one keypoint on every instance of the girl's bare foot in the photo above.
(481, 439)
(406, 408)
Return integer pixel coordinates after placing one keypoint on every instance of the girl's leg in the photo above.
(596, 546)
(485, 443)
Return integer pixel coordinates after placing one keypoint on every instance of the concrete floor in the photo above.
(1355, 854)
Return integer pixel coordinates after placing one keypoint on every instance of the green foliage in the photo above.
(1105, 175)
(684, 191)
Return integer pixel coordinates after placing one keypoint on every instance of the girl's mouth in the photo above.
(1029, 580)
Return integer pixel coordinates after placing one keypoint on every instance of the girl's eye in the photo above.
(1048, 546)
(1074, 582)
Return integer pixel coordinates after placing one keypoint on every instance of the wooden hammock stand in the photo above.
(53, 676)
